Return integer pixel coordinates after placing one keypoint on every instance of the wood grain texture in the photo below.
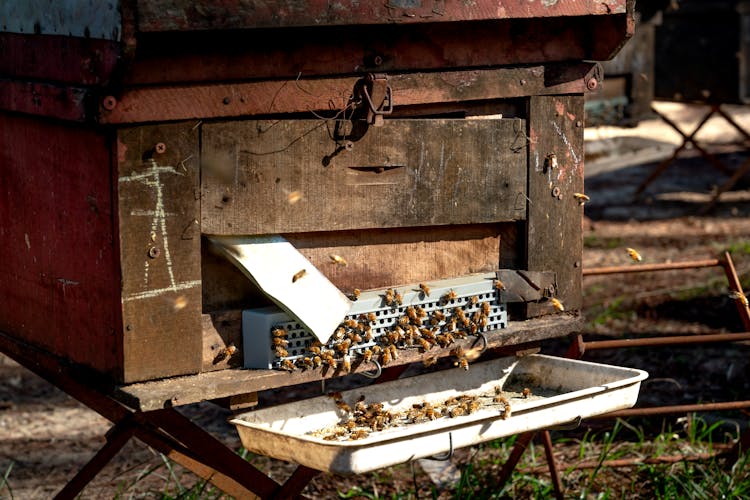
(178, 391)
(59, 278)
(300, 95)
(185, 15)
(160, 250)
(554, 226)
(434, 172)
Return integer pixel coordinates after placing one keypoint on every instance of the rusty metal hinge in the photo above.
(379, 97)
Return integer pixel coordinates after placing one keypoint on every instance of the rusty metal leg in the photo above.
(192, 462)
(552, 464)
(686, 139)
(733, 123)
(117, 437)
(296, 483)
(211, 451)
(736, 286)
(729, 184)
(515, 455)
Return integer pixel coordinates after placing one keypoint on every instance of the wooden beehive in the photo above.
(130, 133)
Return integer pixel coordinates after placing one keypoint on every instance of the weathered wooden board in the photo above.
(185, 15)
(263, 177)
(223, 383)
(58, 260)
(159, 202)
(375, 258)
(554, 226)
(300, 95)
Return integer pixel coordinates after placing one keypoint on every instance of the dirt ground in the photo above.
(45, 436)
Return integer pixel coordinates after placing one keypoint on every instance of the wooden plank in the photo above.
(375, 258)
(160, 250)
(59, 58)
(186, 15)
(65, 103)
(554, 225)
(179, 102)
(264, 177)
(58, 268)
(178, 391)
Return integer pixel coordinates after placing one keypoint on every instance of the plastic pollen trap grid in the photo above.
(257, 324)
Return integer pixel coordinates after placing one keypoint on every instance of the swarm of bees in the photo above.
(359, 419)
(450, 318)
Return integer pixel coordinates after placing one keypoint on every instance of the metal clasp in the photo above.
(377, 90)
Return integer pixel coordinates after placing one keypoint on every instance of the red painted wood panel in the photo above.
(59, 279)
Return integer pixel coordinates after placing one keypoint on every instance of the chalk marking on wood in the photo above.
(148, 294)
(566, 142)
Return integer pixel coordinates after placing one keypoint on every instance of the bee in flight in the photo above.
(739, 296)
(557, 304)
(425, 289)
(581, 198)
(633, 253)
(337, 259)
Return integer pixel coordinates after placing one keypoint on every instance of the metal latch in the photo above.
(379, 97)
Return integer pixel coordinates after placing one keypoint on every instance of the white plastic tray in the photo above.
(562, 391)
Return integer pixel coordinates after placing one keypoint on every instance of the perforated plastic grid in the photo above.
(259, 323)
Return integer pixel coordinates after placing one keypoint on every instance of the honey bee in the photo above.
(425, 289)
(581, 198)
(343, 346)
(372, 317)
(417, 321)
(278, 341)
(411, 313)
(421, 313)
(279, 332)
(335, 395)
(298, 275)
(315, 349)
(456, 411)
(388, 297)
(429, 361)
(403, 320)
(288, 365)
(329, 360)
(359, 434)
(294, 197)
(506, 412)
(307, 362)
(473, 299)
(451, 325)
(339, 333)
(316, 361)
(463, 363)
(448, 296)
(739, 296)
(444, 339)
(398, 298)
(356, 293)
(633, 253)
(498, 389)
(473, 406)
(498, 285)
(376, 349)
(424, 344)
(385, 357)
(557, 304)
(394, 351)
(368, 333)
(351, 323)
(438, 315)
(346, 363)
(526, 392)
(341, 404)
(500, 399)
(459, 313)
(482, 322)
(337, 259)
(485, 308)
(350, 424)
(355, 337)
(473, 328)
(281, 352)
(367, 355)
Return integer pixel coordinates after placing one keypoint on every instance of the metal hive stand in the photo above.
(579, 347)
(165, 430)
(689, 140)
